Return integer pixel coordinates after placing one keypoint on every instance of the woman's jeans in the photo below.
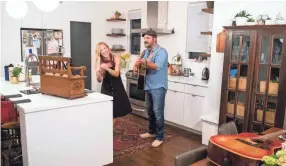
(155, 101)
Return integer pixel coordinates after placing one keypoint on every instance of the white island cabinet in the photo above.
(57, 131)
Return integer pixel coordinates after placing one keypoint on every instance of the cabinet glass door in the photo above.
(267, 82)
(238, 79)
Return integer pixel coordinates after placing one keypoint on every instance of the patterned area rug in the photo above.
(127, 140)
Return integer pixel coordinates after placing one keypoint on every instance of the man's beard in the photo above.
(147, 45)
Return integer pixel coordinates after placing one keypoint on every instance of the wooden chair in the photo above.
(57, 79)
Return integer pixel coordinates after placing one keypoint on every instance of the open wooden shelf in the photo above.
(208, 10)
(115, 35)
(206, 33)
(116, 19)
(115, 50)
(205, 55)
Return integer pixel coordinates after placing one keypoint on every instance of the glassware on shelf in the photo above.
(277, 48)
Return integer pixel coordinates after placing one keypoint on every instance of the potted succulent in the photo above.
(117, 15)
(250, 21)
(15, 75)
(241, 17)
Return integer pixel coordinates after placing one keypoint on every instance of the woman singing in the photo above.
(108, 71)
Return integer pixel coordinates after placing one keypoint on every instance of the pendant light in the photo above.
(46, 5)
(17, 9)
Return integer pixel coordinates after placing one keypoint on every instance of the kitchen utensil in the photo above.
(205, 74)
(117, 31)
(187, 72)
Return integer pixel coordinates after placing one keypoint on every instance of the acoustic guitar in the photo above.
(245, 149)
(141, 74)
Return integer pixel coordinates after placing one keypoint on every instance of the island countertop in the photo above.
(41, 102)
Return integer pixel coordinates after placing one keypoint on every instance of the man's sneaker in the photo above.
(156, 143)
(147, 135)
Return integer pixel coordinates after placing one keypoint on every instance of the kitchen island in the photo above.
(57, 131)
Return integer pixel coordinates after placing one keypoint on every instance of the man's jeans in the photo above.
(155, 101)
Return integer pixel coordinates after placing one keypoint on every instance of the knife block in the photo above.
(57, 79)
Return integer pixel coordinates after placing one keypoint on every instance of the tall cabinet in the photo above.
(253, 91)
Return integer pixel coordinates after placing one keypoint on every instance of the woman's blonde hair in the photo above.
(97, 51)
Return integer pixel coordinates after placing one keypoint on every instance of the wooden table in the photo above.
(206, 162)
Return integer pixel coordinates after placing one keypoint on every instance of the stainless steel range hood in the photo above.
(157, 17)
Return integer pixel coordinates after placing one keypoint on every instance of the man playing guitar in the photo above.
(155, 59)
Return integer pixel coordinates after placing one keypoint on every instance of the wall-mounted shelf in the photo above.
(206, 33)
(205, 55)
(208, 10)
(115, 19)
(115, 35)
(117, 50)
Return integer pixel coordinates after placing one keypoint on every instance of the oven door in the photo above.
(136, 96)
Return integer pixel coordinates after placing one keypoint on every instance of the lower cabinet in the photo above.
(193, 108)
(174, 107)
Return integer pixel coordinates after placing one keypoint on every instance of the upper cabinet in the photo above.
(197, 22)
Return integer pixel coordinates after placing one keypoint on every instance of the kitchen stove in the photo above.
(136, 96)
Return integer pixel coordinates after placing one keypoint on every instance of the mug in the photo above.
(187, 72)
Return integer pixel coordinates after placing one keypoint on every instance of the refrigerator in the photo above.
(42, 42)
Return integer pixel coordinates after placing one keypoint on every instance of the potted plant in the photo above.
(210, 4)
(273, 86)
(268, 21)
(125, 58)
(15, 75)
(279, 19)
(117, 15)
(250, 21)
(241, 17)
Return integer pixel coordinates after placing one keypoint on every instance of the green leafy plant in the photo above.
(250, 20)
(275, 80)
(243, 13)
(16, 71)
(117, 13)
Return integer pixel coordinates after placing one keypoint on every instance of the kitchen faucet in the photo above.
(31, 55)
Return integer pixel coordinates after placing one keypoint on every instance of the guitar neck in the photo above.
(271, 135)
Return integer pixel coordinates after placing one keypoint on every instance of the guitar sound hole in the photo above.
(258, 145)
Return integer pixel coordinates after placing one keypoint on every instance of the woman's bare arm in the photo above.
(116, 72)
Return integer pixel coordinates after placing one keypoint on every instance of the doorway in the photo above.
(80, 36)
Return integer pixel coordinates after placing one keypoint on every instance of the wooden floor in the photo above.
(164, 155)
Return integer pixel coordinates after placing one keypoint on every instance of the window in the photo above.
(135, 38)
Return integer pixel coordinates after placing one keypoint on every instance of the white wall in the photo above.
(223, 13)
(94, 12)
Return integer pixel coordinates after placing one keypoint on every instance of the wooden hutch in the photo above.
(254, 77)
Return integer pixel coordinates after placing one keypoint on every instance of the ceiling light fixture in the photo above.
(46, 5)
(17, 9)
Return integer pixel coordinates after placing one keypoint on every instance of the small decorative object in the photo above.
(268, 21)
(241, 17)
(177, 65)
(15, 75)
(250, 21)
(117, 15)
(277, 159)
(277, 51)
(262, 18)
(279, 19)
(220, 42)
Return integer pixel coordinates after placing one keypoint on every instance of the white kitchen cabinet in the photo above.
(197, 22)
(193, 111)
(174, 107)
